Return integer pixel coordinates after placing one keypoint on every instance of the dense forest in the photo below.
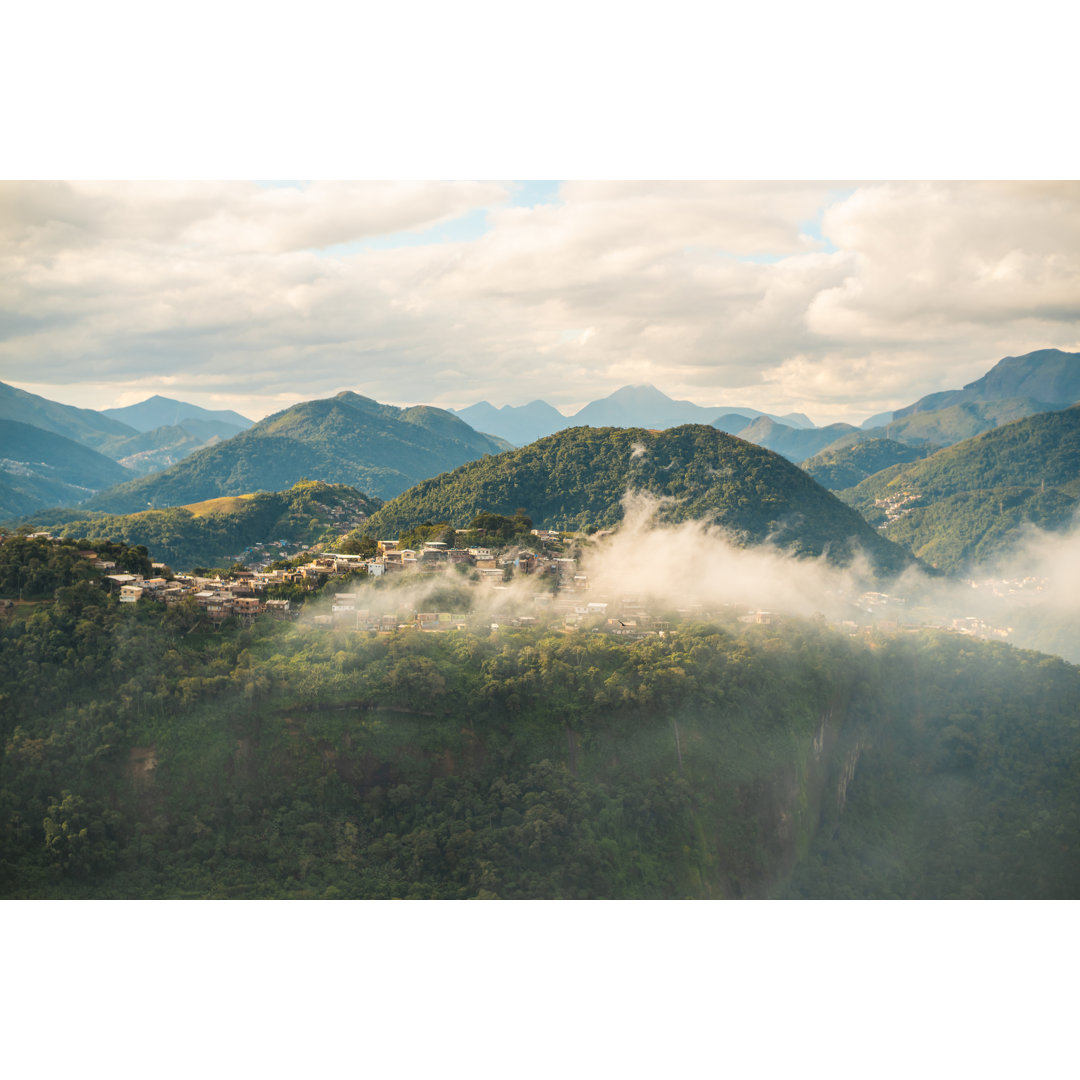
(146, 755)
(216, 532)
(842, 466)
(577, 478)
(970, 501)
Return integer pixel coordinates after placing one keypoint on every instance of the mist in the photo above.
(1029, 597)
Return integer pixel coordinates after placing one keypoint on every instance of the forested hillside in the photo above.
(144, 757)
(347, 439)
(577, 478)
(967, 504)
(216, 532)
(41, 468)
(838, 467)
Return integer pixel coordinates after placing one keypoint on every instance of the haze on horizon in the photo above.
(838, 300)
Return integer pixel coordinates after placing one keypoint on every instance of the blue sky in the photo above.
(462, 229)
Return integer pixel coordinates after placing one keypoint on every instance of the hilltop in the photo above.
(347, 439)
(217, 532)
(576, 479)
(841, 466)
(967, 503)
(1049, 377)
(158, 411)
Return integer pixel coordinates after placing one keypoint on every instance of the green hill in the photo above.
(966, 504)
(954, 423)
(347, 439)
(577, 478)
(796, 444)
(841, 466)
(40, 468)
(85, 426)
(219, 532)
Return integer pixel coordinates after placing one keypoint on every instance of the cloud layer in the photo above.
(835, 300)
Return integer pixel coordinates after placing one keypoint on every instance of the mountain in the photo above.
(641, 406)
(219, 532)
(630, 406)
(954, 423)
(793, 444)
(647, 407)
(838, 467)
(169, 431)
(156, 449)
(518, 424)
(158, 411)
(86, 426)
(577, 478)
(1048, 376)
(347, 439)
(40, 468)
(967, 504)
(732, 423)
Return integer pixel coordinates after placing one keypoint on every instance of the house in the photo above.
(248, 606)
(116, 582)
(278, 609)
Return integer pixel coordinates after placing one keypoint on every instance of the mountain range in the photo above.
(630, 406)
(158, 411)
(347, 439)
(185, 453)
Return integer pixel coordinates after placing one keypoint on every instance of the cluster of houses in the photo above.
(560, 595)
(896, 506)
(241, 594)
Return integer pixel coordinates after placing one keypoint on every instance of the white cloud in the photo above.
(718, 292)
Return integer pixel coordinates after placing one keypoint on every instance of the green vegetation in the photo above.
(577, 478)
(796, 444)
(971, 500)
(218, 531)
(347, 439)
(40, 468)
(85, 426)
(954, 423)
(144, 757)
(838, 466)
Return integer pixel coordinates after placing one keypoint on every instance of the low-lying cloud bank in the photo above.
(1030, 599)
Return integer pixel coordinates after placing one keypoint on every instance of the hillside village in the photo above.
(513, 586)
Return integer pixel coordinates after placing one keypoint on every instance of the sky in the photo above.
(836, 299)
(831, 297)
